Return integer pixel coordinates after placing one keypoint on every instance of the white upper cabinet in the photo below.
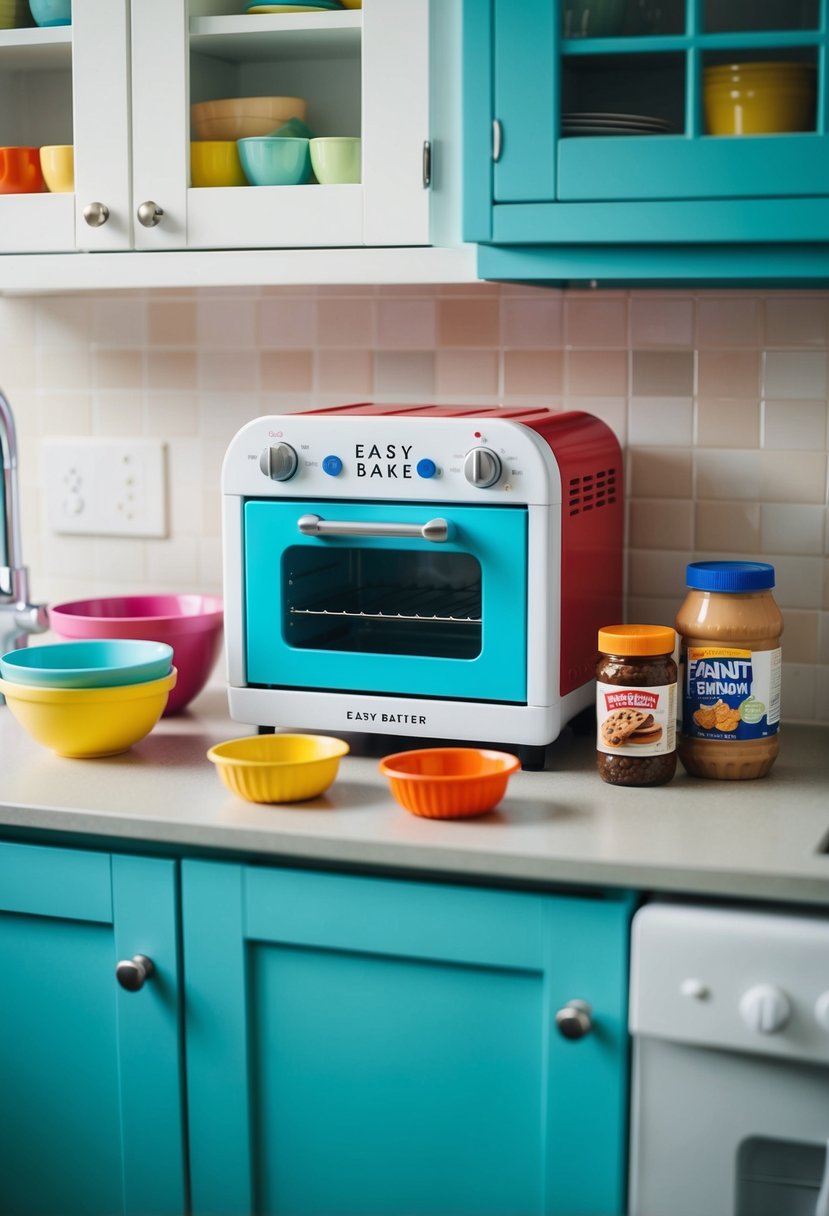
(119, 83)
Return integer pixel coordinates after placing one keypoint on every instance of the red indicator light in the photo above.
(477, 435)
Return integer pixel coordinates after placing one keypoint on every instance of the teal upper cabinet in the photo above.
(645, 140)
(361, 1046)
(91, 1118)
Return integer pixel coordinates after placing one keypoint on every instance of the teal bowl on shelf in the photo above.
(97, 663)
(51, 12)
(275, 160)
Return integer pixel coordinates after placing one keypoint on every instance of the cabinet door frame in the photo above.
(577, 946)
(390, 206)
(138, 898)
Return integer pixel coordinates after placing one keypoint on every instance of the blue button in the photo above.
(426, 468)
(332, 465)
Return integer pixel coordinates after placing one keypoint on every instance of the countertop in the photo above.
(564, 826)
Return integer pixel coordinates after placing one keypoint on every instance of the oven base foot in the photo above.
(532, 756)
(265, 730)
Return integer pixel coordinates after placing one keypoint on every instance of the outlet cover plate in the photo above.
(106, 487)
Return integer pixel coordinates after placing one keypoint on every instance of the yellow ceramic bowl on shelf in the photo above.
(278, 768)
(88, 722)
(57, 164)
(215, 162)
(763, 98)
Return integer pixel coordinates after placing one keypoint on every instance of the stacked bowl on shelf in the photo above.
(88, 698)
(761, 98)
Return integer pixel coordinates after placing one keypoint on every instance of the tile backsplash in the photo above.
(719, 399)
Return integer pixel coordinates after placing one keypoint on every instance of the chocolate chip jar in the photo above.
(636, 705)
(730, 627)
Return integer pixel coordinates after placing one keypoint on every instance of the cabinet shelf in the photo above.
(269, 37)
(35, 50)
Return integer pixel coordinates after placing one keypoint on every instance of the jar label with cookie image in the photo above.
(731, 693)
(636, 721)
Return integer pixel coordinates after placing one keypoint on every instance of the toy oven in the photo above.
(424, 571)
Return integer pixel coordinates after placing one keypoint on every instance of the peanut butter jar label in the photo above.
(731, 693)
(636, 721)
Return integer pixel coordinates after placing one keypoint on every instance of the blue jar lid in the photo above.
(730, 576)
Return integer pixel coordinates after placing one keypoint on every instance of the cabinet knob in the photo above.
(96, 214)
(574, 1020)
(133, 973)
(149, 214)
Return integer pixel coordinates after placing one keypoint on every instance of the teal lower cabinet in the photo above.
(91, 1076)
(359, 1046)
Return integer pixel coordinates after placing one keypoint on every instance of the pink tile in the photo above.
(345, 372)
(176, 369)
(728, 373)
(346, 322)
(286, 371)
(797, 321)
(406, 324)
(600, 373)
(172, 323)
(468, 322)
(531, 321)
(596, 321)
(532, 372)
(661, 321)
(462, 373)
(728, 423)
(287, 322)
(727, 321)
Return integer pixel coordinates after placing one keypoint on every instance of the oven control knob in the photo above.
(279, 462)
(765, 1008)
(481, 468)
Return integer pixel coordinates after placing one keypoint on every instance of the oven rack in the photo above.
(464, 608)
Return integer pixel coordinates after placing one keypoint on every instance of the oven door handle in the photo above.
(436, 530)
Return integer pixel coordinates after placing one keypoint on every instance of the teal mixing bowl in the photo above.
(274, 160)
(98, 663)
(51, 12)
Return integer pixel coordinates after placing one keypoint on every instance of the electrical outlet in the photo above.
(106, 487)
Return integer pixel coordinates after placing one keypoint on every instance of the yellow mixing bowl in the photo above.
(215, 162)
(278, 768)
(87, 722)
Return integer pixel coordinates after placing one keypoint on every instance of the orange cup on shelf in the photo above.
(20, 171)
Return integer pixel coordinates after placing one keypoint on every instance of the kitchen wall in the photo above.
(720, 399)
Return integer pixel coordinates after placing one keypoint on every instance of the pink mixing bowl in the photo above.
(191, 624)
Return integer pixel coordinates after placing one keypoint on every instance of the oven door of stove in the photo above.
(332, 605)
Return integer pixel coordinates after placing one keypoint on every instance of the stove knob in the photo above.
(765, 1008)
(481, 468)
(279, 462)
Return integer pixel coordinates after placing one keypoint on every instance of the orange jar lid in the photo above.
(637, 639)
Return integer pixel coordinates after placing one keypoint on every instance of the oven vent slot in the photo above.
(592, 491)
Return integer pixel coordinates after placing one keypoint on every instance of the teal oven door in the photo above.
(354, 597)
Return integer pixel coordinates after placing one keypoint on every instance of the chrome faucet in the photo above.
(18, 616)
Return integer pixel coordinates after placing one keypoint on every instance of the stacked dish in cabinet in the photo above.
(119, 85)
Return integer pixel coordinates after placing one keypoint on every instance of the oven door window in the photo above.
(385, 614)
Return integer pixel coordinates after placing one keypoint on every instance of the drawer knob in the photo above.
(133, 973)
(149, 214)
(96, 214)
(574, 1020)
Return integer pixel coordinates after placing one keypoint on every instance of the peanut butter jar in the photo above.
(729, 627)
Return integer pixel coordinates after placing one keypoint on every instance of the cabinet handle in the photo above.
(149, 214)
(426, 165)
(497, 139)
(574, 1020)
(133, 973)
(96, 214)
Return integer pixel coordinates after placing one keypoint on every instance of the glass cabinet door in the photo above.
(678, 112)
(65, 86)
(344, 65)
